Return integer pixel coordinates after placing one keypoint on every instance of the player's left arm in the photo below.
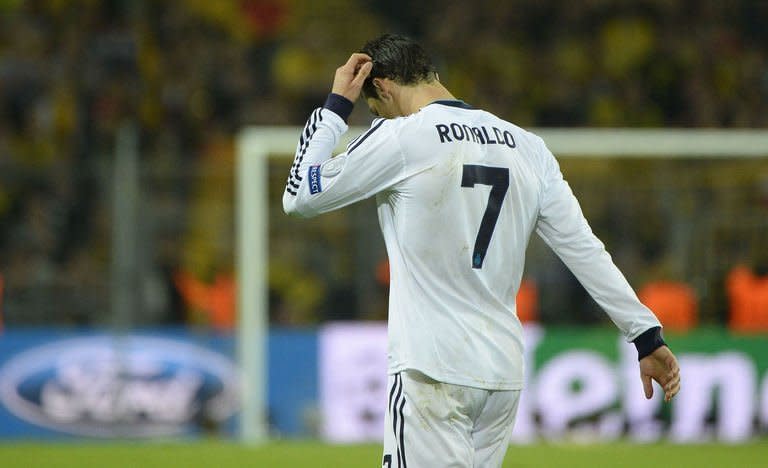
(318, 182)
(373, 162)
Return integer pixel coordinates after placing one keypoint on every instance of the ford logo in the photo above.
(128, 386)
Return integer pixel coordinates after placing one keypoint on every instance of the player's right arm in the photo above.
(563, 227)
(561, 224)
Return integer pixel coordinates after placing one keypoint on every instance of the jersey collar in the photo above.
(453, 103)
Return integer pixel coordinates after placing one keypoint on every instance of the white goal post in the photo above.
(256, 144)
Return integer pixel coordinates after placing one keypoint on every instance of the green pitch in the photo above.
(318, 455)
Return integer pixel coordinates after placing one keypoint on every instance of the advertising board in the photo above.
(98, 385)
(581, 384)
(164, 382)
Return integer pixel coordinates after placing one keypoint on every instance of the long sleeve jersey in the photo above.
(459, 192)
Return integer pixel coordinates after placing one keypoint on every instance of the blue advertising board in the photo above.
(150, 383)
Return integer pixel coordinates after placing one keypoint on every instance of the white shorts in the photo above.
(430, 424)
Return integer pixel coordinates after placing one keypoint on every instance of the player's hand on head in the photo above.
(349, 78)
(661, 366)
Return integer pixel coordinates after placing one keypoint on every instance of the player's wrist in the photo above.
(339, 105)
(648, 342)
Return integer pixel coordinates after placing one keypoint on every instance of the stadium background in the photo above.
(173, 82)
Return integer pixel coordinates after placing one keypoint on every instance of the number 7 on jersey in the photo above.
(498, 179)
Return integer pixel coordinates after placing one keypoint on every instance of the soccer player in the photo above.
(459, 192)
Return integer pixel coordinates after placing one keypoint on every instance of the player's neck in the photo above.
(413, 98)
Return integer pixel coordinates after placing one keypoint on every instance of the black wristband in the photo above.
(648, 342)
(339, 105)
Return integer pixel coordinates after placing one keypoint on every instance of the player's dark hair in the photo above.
(398, 58)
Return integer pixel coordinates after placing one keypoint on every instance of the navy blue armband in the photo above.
(339, 105)
(648, 342)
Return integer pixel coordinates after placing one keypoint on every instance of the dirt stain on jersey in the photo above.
(446, 172)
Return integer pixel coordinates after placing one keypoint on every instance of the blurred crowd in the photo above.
(185, 76)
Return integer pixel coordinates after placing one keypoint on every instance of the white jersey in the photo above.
(459, 192)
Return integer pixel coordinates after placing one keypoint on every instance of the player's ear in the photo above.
(381, 88)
